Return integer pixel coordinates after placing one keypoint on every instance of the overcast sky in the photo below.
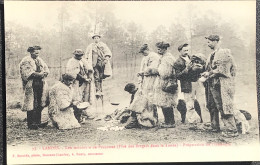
(149, 14)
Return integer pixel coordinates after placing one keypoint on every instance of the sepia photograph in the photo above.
(130, 81)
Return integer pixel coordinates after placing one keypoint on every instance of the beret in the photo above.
(143, 48)
(162, 45)
(213, 37)
(67, 76)
(78, 52)
(32, 48)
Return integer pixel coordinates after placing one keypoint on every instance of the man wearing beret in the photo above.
(183, 67)
(97, 55)
(165, 85)
(82, 86)
(62, 106)
(220, 87)
(33, 73)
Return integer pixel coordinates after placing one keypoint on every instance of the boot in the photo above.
(132, 122)
(169, 118)
(181, 107)
(43, 125)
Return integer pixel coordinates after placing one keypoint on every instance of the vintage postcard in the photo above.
(130, 81)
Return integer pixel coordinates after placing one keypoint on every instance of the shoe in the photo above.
(43, 125)
(217, 130)
(88, 117)
(228, 134)
(164, 125)
(132, 123)
(108, 118)
(208, 124)
(208, 127)
(82, 121)
(195, 127)
(33, 127)
(99, 93)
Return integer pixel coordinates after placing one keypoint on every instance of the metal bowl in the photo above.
(83, 105)
(115, 103)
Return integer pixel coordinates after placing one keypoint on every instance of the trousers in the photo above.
(168, 115)
(34, 116)
(198, 93)
(215, 108)
(99, 75)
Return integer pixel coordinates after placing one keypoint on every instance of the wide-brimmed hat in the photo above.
(78, 52)
(96, 35)
(213, 38)
(32, 48)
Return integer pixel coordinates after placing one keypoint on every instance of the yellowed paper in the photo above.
(60, 27)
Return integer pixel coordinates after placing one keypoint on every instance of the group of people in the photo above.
(199, 77)
(157, 89)
(81, 83)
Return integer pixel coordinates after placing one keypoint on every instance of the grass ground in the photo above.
(19, 135)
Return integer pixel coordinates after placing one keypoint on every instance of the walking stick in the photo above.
(101, 97)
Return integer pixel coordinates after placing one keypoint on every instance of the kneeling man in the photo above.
(61, 107)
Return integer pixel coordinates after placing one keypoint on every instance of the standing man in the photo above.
(183, 67)
(220, 87)
(97, 55)
(148, 116)
(82, 86)
(148, 69)
(33, 72)
(165, 85)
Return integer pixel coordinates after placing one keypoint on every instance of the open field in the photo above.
(19, 135)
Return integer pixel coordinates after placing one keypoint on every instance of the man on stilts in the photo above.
(98, 55)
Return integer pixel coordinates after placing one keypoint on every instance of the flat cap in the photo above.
(181, 46)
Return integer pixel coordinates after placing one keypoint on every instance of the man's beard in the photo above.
(34, 55)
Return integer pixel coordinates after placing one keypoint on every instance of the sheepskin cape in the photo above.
(149, 65)
(27, 67)
(166, 72)
(60, 111)
(98, 49)
(225, 68)
(85, 92)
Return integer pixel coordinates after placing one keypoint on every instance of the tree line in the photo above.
(123, 38)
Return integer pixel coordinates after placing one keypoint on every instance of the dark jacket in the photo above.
(182, 75)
